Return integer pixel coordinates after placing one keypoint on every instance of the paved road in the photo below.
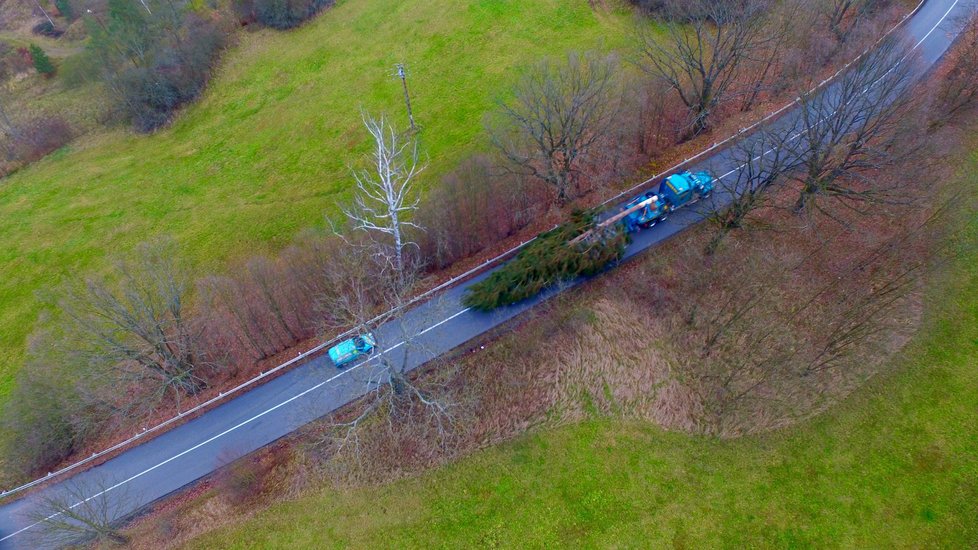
(183, 455)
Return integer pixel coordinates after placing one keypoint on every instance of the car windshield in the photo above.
(358, 342)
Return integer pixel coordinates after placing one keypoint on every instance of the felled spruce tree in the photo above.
(549, 259)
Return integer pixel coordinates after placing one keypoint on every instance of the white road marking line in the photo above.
(233, 428)
(865, 90)
(432, 327)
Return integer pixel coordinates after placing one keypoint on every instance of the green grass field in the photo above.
(894, 466)
(265, 152)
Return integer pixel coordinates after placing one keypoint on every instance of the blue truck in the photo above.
(654, 206)
(674, 192)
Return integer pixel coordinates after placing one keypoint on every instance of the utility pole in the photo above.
(407, 97)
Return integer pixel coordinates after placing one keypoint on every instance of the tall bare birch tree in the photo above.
(385, 197)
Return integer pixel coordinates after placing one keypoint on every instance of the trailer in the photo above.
(652, 207)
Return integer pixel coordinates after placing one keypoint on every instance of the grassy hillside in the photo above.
(895, 466)
(265, 152)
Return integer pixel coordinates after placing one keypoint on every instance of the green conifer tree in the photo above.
(41, 61)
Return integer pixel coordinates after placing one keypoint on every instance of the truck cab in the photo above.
(679, 189)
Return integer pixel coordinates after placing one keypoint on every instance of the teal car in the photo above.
(349, 350)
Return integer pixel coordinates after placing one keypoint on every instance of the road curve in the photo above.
(183, 455)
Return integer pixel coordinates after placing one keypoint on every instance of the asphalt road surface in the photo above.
(183, 455)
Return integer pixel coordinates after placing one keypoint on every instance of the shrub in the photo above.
(37, 423)
(280, 14)
(472, 210)
(65, 9)
(650, 6)
(20, 61)
(152, 63)
(46, 28)
(241, 482)
(41, 136)
(41, 60)
(548, 260)
(78, 69)
(152, 94)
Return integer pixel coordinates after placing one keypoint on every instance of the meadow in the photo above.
(266, 151)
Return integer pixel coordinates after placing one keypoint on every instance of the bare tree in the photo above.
(43, 419)
(852, 128)
(559, 112)
(842, 17)
(761, 68)
(762, 344)
(393, 397)
(706, 44)
(137, 331)
(260, 307)
(76, 513)
(958, 90)
(762, 162)
(10, 129)
(385, 196)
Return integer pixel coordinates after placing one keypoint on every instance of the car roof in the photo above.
(345, 347)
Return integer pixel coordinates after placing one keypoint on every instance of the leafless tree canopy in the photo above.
(959, 88)
(844, 16)
(854, 128)
(264, 307)
(137, 330)
(472, 208)
(80, 513)
(560, 111)
(763, 161)
(777, 333)
(393, 397)
(386, 196)
(705, 45)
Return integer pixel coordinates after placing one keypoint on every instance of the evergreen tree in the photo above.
(131, 31)
(66, 9)
(41, 60)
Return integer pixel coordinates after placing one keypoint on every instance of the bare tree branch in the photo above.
(853, 128)
(386, 197)
(560, 111)
(137, 331)
(763, 160)
(78, 513)
(705, 45)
